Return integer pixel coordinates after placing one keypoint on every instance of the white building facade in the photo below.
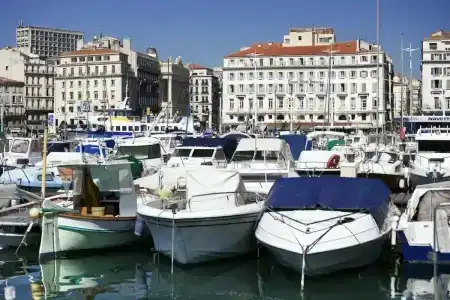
(436, 72)
(175, 87)
(89, 80)
(205, 95)
(11, 103)
(38, 76)
(279, 82)
(105, 74)
(46, 42)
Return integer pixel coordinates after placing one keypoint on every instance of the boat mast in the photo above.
(44, 163)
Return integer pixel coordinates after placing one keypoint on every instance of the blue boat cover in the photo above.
(228, 145)
(297, 142)
(335, 193)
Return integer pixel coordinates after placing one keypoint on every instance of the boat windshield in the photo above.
(140, 151)
(20, 146)
(256, 156)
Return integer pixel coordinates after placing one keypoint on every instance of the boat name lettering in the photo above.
(439, 118)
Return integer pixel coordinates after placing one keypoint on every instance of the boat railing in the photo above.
(245, 197)
(430, 162)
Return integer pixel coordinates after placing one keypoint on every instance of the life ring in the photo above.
(333, 161)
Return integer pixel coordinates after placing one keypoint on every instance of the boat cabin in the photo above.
(23, 151)
(190, 156)
(103, 190)
(146, 149)
(262, 160)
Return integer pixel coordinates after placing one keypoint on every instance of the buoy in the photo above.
(35, 212)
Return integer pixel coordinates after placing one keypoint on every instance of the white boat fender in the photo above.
(401, 183)
(394, 225)
(10, 293)
(139, 226)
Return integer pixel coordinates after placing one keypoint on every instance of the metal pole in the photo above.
(410, 79)
(378, 67)
(401, 85)
(1, 113)
(255, 105)
(330, 69)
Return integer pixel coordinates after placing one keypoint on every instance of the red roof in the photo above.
(439, 35)
(91, 51)
(196, 67)
(10, 82)
(277, 49)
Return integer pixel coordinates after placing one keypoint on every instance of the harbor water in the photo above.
(131, 274)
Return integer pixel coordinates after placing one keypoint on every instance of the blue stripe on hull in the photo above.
(420, 254)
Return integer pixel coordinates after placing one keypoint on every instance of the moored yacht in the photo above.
(318, 225)
(432, 161)
(212, 217)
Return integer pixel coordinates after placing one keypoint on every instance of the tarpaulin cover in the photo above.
(228, 145)
(336, 193)
(297, 143)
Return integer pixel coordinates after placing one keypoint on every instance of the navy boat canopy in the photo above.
(297, 142)
(228, 145)
(336, 193)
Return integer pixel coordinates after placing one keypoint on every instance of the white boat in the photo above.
(197, 156)
(432, 161)
(213, 218)
(386, 165)
(417, 224)
(112, 195)
(318, 225)
(22, 151)
(148, 150)
(262, 161)
(329, 150)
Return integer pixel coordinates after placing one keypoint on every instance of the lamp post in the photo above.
(330, 69)
(255, 106)
(410, 50)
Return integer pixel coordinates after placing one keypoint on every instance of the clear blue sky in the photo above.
(203, 31)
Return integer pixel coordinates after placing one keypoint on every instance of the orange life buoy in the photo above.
(333, 161)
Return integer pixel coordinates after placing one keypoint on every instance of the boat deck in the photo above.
(21, 218)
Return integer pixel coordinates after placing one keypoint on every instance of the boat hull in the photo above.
(331, 261)
(426, 178)
(391, 180)
(203, 239)
(420, 254)
(318, 173)
(66, 233)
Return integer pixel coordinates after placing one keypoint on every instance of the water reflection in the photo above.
(118, 274)
(141, 275)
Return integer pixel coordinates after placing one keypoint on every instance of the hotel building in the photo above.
(436, 71)
(280, 82)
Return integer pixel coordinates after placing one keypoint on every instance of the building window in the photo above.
(353, 103)
(113, 69)
(363, 103)
(280, 103)
(374, 102)
(241, 103)
(270, 76)
(260, 103)
(436, 84)
(433, 46)
(321, 102)
(270, 103)
(300, 103)
(436, 71)
(231, 104)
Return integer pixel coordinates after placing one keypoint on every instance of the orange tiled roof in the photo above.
(439, 35)
(91, 51)
(196, 67)
(10, 82)
(277, 49)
